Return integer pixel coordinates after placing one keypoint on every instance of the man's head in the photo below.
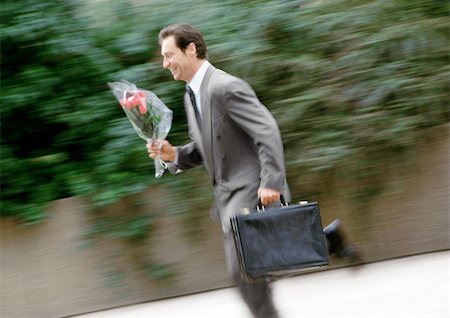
(183, 49)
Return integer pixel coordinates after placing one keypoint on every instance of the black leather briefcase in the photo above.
(280, 241)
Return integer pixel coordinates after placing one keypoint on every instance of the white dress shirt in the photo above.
(196, 82)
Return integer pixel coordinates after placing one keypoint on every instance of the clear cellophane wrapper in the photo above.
(149, 116)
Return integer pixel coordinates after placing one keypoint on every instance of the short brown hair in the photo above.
(184, 35)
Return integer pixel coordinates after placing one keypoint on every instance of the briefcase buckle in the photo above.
(245, 211)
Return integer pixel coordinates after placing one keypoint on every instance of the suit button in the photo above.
(224, 157)
(218, 138)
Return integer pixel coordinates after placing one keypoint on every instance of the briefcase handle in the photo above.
(260, 206)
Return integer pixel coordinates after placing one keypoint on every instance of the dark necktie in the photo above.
(194, 104)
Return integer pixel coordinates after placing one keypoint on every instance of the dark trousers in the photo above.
(257, 294)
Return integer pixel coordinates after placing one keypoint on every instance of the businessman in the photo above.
(234, 136)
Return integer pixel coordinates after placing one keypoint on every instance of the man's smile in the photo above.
(173, 70)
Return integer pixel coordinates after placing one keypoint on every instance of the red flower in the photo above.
(142, 109)
(137, 99)
(140, 99)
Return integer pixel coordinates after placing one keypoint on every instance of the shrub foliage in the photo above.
(352, 83)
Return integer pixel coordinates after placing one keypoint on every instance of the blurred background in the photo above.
(359, 88)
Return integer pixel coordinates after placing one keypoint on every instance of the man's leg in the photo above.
(338, 245)
(256, 294)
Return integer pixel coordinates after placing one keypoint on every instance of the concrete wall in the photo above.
(46, 271)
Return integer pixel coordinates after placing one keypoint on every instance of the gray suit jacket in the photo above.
(239, 142)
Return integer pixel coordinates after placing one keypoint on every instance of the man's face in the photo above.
(179, 63)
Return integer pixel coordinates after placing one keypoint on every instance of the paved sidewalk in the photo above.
(410, 287)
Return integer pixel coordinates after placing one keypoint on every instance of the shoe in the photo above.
(338, 246)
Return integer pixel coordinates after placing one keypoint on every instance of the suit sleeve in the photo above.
(188, 157)
(245, 109)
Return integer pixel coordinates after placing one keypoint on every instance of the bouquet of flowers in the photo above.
(150, 117)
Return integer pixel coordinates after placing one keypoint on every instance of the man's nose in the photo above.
(165, 63)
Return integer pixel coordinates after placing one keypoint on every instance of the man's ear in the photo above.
(192, 49)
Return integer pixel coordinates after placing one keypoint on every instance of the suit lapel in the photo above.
(207, 119)
(194, 130)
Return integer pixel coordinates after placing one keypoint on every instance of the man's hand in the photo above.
(163, 149)
(268, 196)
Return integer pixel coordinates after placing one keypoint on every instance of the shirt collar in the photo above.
(196, 81)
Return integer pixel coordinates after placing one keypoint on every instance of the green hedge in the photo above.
(350, 82)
